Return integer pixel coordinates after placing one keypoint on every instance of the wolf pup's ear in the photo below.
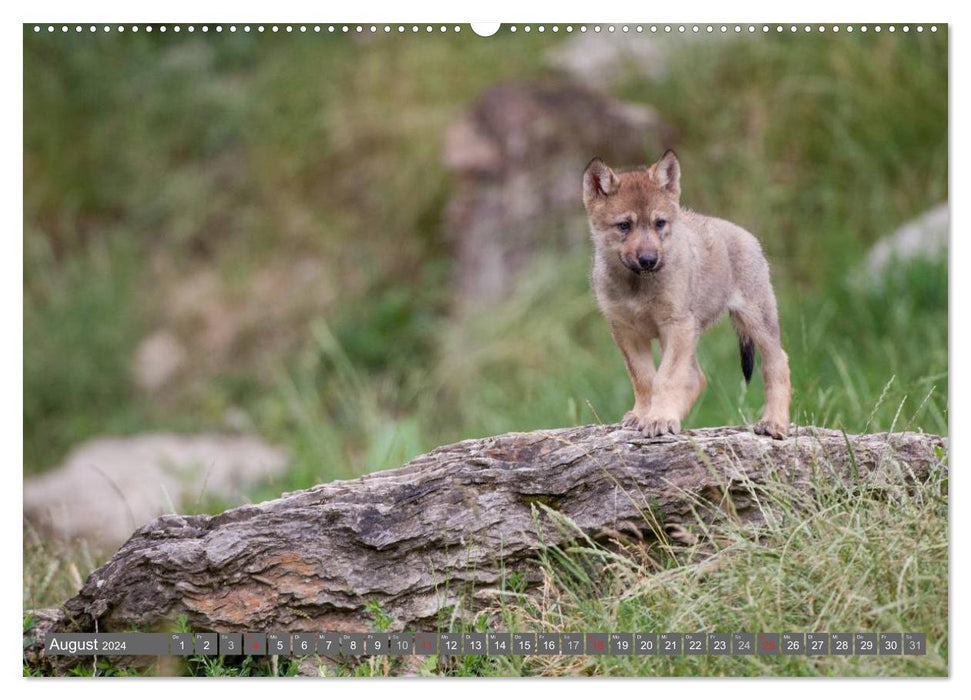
(598, 181)
(666, 173)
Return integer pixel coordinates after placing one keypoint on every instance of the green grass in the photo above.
(842, 558)
(152, 162)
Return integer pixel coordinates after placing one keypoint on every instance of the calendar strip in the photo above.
(490, 644)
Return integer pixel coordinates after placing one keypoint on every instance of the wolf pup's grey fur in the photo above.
(667, 273)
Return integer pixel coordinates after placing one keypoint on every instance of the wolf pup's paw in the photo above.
(632, 420)
(653, 427)
(772, 428)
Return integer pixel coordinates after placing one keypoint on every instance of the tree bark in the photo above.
(445, 526)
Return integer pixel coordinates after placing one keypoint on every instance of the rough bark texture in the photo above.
(433, 532)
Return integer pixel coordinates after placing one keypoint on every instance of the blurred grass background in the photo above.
(292, 187)
(151, 159)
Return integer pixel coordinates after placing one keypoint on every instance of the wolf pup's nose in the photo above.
(647, 261)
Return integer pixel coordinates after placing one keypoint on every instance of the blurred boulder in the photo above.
(601, 60)
(922, 237)
(517, 156)
(158, 358)
(110, 486)
(595, 59)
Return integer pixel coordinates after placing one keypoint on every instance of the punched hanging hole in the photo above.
(485, 28)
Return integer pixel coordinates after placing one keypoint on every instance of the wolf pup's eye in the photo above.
(624, 227)
(660, 223)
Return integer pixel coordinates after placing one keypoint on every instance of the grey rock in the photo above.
(922, 237)
(110, 486)
(602, 60)
(598, 59)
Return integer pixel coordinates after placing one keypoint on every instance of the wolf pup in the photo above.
(667, 273)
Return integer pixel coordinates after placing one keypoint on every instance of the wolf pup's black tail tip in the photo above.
(747, 349)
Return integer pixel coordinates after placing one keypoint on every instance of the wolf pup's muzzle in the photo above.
(647, 262)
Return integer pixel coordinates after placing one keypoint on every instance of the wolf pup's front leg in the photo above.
(678, 382)
(636, 348)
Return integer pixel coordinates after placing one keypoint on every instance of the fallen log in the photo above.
(435, 531)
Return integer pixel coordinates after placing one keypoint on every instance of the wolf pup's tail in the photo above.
(746, 348)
